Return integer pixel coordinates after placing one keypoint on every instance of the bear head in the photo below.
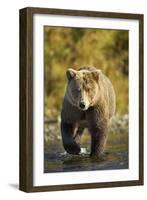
(83, 87)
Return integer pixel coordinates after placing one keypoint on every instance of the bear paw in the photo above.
(72, 148)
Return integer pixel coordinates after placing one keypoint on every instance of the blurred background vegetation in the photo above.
(74, 47)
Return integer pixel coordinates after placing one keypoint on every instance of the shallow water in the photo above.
(115, 157)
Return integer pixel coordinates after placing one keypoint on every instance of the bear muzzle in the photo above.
(81, 105)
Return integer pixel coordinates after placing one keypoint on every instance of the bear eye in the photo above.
(88, 88)
(76, 90)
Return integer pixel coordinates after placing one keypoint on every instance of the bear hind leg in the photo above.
(78, 134)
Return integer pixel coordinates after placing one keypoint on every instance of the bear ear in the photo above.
(96, 74)
(71, 73)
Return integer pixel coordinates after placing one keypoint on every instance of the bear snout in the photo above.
(82, 105)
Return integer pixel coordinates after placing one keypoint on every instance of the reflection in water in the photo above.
(61, 163)
(115, 157)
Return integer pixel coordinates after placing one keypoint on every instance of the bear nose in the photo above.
(82, 105)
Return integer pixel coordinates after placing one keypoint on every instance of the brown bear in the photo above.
(89, 102)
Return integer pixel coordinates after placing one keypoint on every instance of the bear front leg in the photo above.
(69, 143)
(98, 141)
(98, 126)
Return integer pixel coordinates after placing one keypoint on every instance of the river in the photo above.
(57, 160)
